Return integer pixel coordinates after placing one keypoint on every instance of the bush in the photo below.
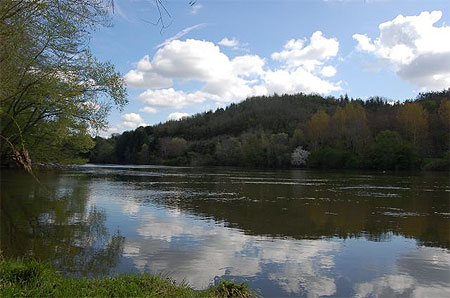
(329, 158)
(437, 164)
(391, 152)
(299, 157)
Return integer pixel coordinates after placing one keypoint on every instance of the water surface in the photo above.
(287, 233)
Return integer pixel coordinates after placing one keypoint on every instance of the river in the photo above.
(285, 233)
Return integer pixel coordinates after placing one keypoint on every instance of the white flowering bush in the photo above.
(299, 157)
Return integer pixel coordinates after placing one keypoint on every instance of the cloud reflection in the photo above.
(198, 251)
(419, 273)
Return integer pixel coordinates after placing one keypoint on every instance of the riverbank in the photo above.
(20, 278)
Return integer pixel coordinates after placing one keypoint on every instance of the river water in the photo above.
(285, 233)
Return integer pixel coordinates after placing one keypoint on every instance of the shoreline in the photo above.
(31, 278)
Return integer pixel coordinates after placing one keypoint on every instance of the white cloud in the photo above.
(177, 116)
(148, 110)
(132, 120)
(229, 42)
(222, 79)
(364, 43)
(143, 76)
(129, 121)
(418, 51)
(248, 65)
(296, 54)
(138, 79)
(234, 44)
(191, 59)
(328, 71)
(170, 98)
(299, 80)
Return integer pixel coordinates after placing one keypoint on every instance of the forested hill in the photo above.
(295, 130)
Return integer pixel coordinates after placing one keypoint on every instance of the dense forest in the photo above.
(294, 131)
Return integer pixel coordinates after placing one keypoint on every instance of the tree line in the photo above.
(298, 130)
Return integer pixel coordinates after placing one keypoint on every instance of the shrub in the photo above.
(391, 152)
(329, 158)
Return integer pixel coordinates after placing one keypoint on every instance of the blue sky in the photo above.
(218, 52)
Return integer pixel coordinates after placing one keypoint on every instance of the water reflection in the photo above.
(198, 251)
(416, 273)
(51, 220)
(287, 233)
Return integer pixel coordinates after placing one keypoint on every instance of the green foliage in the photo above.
(53, 92)
(391, 152)
(264, 132)
(330, 158)
(231, 289)
(19, 272)
(21, 278)
(103, 152)
(438, 164)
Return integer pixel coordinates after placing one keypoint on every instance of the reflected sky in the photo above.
(286, 233)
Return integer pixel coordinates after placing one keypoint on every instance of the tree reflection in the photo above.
(316, 205)
(52, 221)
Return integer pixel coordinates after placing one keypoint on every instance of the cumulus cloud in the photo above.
(234, 44)
(132, 120)
(225, 79)
(328, 71)
(299, 72)
(149, 110)
(299, 80)
(415, 47)
(177, 116)
(229, 42)
(129, 121)
(296, 54)
(169, 98)
(143, 76)
(248, 65)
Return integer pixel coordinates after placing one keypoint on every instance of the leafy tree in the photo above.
(339, 127)
(229, 152)
(103, 152)
(318, 129)
(391, 152)
(349, 126)
(444, 114)
(413, 121)
(331, 158)
(298, 138)
(52, 89)
(172, 147)
(144, 155)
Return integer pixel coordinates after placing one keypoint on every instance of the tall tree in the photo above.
(318, 129)
(52, 89)
(356, 128)
(413, 122)
(339, 127)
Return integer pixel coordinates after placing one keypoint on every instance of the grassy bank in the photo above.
(19, 278)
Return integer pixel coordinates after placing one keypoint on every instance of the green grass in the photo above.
(20, 278)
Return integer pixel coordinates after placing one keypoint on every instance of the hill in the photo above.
(265, 131)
